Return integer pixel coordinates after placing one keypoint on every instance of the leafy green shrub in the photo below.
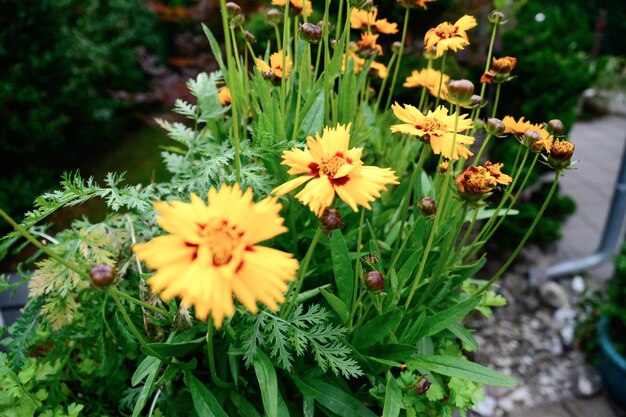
(60, 61)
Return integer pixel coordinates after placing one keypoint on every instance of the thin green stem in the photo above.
(211, 355)
(441, 203)
(138, 302)
(424, 89)
(142, 341)
(400, 53)
(358, 257)
(482, 149)
(442, 69)
(296, 121)
(384, 83)
(496, 100)
(293, 294)
(526, 236)
(26, 234)
(490, 53)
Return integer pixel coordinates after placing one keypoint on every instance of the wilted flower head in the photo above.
(364, 20)
(330, 168)
(475, 183)
(435, 128)
(447, 36)
(500, 71)
(560, 155)
(368, 46)
(331, 219)
(494, 171)
(211, 253)
(427, 206)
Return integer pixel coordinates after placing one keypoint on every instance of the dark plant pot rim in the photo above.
(607, 346)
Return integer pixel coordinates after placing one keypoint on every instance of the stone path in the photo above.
(599, 146)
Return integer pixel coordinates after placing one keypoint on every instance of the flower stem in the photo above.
(490, 53)
(400, 52)
(384, 83)
(211, 355)
(293, 294)
(358, 257)
(424, 89)
(26, 234)
(138, 302)
(142, 341)
(496, 100)
(482, 149)
(530, 230)
(442, 69)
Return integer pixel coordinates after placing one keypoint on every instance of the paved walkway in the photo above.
(599, 146)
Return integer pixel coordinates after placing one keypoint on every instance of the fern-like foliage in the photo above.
(298, 333)
(23, 332)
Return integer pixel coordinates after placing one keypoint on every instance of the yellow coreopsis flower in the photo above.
(447, 36)
(276, 65)
(212, 253)
(435, 128)
(224, 96)
(377, 68)
(330, 169)
(368, 44)
(521, 126)
(364, 20)
(428, 78)
(300, 6)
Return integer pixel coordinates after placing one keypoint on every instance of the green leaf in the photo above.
(244, 406)
(215, 47)
(469, 343)
(176, 349)
(313, 121)
(342, 266)
(204, 402)
(484, 213)
(332, 397)
(407, 268)
(462, 368)
(337, 305)
(396, 352)
(266, 375)
(442, 320)
(412, 332)
(376, 329)
(144, 369)
(393, 398)
(145, 391)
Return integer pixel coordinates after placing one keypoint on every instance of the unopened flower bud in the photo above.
(560, 155)
(102, 275)
(427, 206)
(495, 127)
(477, 101)
(233, 8)
(460, 91)
(430, 53)
(311, 33)
(274, 16)
(375, 281)
(249, 37)
(331, 219)
(555, 127)
(533, 140)
(421, 386)
(396, 47)
(497, 17)
(333, 43)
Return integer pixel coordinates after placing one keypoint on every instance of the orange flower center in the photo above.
(222, 241)
(431, 125)
(446, 30)
(330, 165)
